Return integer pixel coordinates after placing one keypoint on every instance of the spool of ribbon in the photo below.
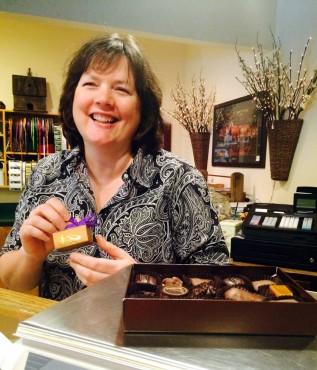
(89, 221)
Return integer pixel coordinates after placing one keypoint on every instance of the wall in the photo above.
(45, 46)
(202, 20)
(296, 21)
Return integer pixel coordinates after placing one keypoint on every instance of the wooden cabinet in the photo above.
(25, 137)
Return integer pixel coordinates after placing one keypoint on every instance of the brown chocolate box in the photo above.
(181, 315)
(73, 237)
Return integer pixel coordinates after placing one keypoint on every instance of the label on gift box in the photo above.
(67, 240)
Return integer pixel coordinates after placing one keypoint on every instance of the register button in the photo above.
(307, 223)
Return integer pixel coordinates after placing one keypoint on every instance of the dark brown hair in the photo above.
(99, 53)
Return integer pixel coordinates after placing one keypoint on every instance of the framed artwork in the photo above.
(239, 134)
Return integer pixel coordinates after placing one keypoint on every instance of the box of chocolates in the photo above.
(216, 299)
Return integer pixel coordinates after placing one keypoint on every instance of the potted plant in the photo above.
(194, 111)
(282, 95)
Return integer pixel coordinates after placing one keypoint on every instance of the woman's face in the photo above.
(106, 107)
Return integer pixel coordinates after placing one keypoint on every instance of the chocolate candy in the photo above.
(205, 289)
(259, 283)
(197, 281)
(236, 294)
(145, 279)
(233, 280)
(172, 281)
(174, 291)
(280, 291)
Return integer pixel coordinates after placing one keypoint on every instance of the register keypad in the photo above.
(269, 221)
(285, 222)
(289, 222)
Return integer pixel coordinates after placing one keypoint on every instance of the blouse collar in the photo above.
(141, 169)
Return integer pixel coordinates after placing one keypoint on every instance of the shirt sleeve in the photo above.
(197, 235)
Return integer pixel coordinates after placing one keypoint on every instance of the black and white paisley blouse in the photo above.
(161, 214)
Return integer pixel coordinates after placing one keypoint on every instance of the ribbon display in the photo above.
(89, 221)
(31, 135)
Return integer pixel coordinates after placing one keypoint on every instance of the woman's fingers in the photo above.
(50, 216)
(85, 274)
(113, 251)
(91, 269)
(43, 221)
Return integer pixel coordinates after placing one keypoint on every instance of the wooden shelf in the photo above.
(5, 117)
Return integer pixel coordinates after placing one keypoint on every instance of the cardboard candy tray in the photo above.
(182, 315)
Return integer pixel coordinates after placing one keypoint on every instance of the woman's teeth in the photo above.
(100, 118)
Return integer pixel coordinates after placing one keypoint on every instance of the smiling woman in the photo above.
(150, 205)
(123, 60)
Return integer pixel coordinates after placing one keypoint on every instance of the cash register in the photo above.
(280, 234)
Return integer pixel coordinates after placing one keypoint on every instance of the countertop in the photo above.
(16, 307)
(90, 323)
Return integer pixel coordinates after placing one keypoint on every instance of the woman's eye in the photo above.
(89, 84)
(122, 89)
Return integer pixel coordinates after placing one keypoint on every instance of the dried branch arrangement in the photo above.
(276, 90)
(194, 108)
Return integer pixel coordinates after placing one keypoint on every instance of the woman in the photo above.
(151, 206)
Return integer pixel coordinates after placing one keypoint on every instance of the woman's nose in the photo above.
(104, 97)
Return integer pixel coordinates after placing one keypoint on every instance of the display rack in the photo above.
(25, 137)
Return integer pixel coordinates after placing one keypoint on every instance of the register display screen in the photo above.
(306, 203)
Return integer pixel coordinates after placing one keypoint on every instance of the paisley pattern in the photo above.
(161, 214)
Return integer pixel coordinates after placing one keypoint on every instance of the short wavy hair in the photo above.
(99, 53)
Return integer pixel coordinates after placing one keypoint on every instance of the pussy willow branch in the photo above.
(271, 83)
(194, 109)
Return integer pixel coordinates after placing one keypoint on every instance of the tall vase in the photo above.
(200, 145)
(283, 137)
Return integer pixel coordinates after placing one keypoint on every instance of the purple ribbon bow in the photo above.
(89, 221)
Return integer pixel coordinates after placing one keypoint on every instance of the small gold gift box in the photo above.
(73, 237)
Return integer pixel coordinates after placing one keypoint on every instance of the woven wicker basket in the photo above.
(200, 144)
(283, 139)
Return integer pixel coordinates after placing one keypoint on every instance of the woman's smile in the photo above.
(97, 117)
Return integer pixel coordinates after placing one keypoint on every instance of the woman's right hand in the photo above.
(43, 220)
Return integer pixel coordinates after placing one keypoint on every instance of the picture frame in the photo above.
(239, 134)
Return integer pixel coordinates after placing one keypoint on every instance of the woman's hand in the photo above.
(91, 269)
(43, 220)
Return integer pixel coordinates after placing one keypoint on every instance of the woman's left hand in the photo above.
(91, 269)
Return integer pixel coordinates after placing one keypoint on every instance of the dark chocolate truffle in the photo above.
(233, 280)
(206, 289)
